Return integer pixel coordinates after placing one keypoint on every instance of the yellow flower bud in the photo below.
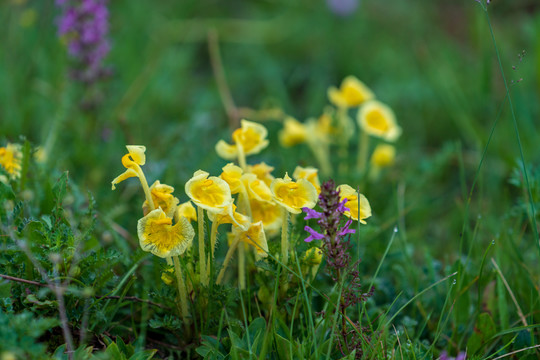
(132, 162)
(383, 155)
(11, 159)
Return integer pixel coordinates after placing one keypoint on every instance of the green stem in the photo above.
(182, 292)
(241, 156)
(202, 255)
(241, 267)
(145, 187)
(285, 238)
(213, 236)
(228, 257)
(363, 148)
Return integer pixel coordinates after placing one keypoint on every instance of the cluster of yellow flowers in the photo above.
(248, 197)
(336, 127)
(10, 160)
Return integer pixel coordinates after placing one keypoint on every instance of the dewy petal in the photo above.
(137, 153)
(226, 151)
(313, 234)
(129, 173)
(158, 236)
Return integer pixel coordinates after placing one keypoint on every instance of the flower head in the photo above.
(162, 197)
(293, 133)
(311, 174)
(210, 193)
(383, 155)
(294, 196)
(378, 120)
(10, 159)
(159, 236)
(352, 93)
(132, 161)
(251, 137)
(354, 203)
(232, 175)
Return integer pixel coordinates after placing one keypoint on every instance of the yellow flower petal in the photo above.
(293, 196)
(293, 133)
(270, 215)
(378, 120)
(226, 151)
(158, 236)
(186, 210)
(210, 193)
(137, 153)
(252, 137)
(230, 216)
(263, 172)
(383, 155)
(232, 175)
(352, 93)
(256, 238)
(256, 188)
(11, 159)
(355, 203)
(129, 173)
(163, 198)
(311, 174)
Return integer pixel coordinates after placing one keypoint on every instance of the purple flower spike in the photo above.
(345, 229)
(85, 25)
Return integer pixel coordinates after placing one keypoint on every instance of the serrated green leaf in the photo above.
(60, 188)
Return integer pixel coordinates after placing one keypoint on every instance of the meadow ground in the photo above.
(429, 109)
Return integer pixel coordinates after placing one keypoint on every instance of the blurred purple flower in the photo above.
(342, 7)
(85, 26)
(461, 356)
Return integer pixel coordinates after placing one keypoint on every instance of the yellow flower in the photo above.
(186, 210)
(352, 93)
(251, 137)
(255, 237)
(269, 213)
(158, 236)
(263, 172)
(378, 120)
(163, 198)
(10, 159)
(310, 174)
(345, 191)
(293, 133)
(167, 276)
(256, 188)
(383, 155)
(293, 196)
(232, 174)
(313, 256)
(210, 193)
(132, 161)
(230, 216)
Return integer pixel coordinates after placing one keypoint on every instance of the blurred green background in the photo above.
(433, 62)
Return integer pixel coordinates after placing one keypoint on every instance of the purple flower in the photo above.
(461, 356)
(311, 214)
(342, 7)
(314, 235)
(85, 25)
